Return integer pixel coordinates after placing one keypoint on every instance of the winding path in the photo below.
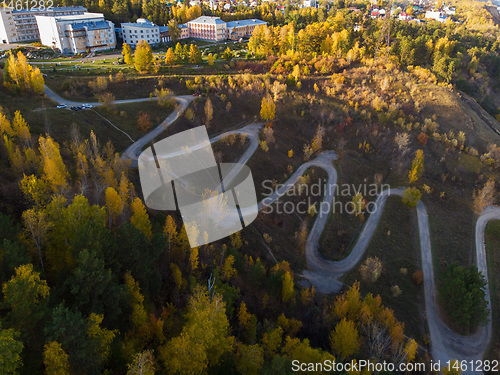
(324, 274)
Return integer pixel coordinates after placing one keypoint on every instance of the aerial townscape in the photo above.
(249, 187)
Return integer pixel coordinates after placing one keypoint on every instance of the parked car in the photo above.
(196, 94)
(61, 106)
(87, 106)
(74, 108)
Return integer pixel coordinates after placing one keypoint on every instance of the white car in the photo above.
(87, 106)
(61, 106)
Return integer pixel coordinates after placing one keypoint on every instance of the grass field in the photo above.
(395, 243)
(43, 117)
(492, 235)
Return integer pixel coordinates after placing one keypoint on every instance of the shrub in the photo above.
(99, 85)
(463, 297)
(423, 138)
(120, 77)
(411, 196)
(396, 291)
(144, 122)
(371, 269)
(418, 277)
(163, 97)
(107, 100)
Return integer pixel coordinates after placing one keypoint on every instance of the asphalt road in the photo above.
(52, 95)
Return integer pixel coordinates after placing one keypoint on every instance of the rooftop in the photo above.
(208, 20)
(252, 21)
(77, 17)
(90, 25)
(141, 22)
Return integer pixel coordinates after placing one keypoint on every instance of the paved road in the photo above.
(58, 99)
(135, 149)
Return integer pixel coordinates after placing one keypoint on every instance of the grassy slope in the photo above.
(446, 171)
(395, 243)
(41, 115)
(492, 234)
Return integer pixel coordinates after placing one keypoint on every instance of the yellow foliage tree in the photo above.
(23, 294)
(143, 57)
(228, 271)
(250, 359)
(54, 170)
(22, 76)
(169, 57)
(21, 129)
(287, 291)
(267, 108)
(193, 258)
(204, 338)
(243, 316)
(102, 337)
(417, 167)
(236, 241)
(127, 54)
(114, 205)
(55, 359)
(34, 190)
(140, 218)
(484, 197)
(169, 230)
(345, 339)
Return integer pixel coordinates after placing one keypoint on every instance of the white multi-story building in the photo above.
(204, 27)
(21, 26)
(77, 33)
(140, 30)
(8, 32)
(209, 28)
(309, 3)
(436, 15)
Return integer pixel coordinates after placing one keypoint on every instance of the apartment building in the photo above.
(21, 26)
(208, 28)
(142, 29)
(243, 28)
(77, 33)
